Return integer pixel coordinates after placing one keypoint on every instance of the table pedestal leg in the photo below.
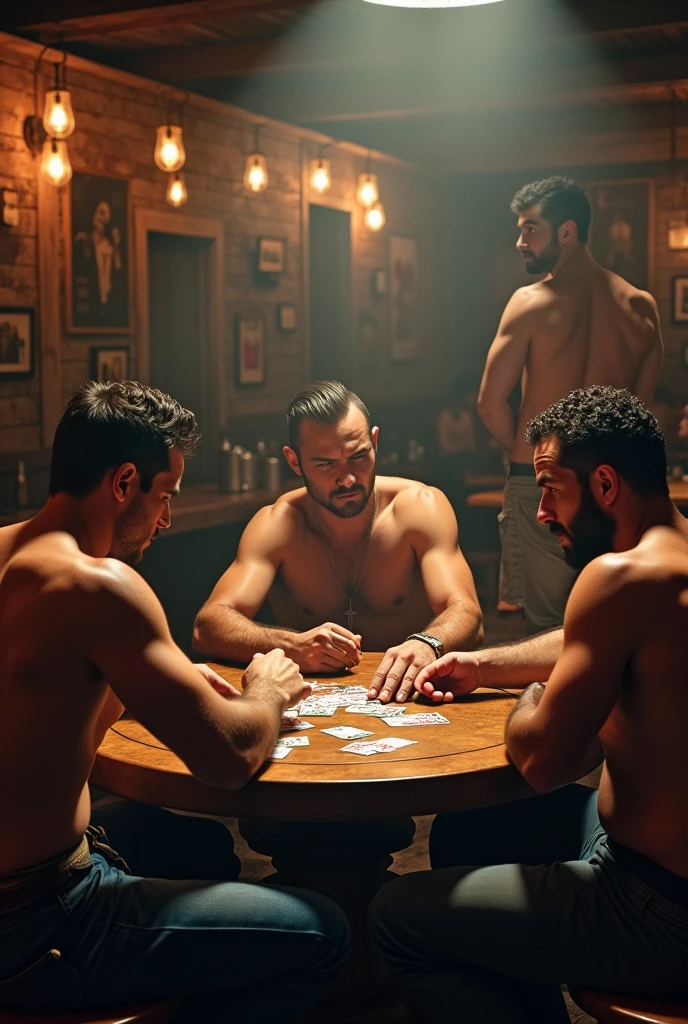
(349, 862)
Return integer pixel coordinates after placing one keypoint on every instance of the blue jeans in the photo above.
(493, 944)
(241, 952)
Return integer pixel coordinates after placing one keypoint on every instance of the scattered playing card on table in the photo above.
(317, 710)
(428, 718)
(347, 732)
(279, 753)
(293, 741)
(376, 746)
(375, 709)
(294, 725)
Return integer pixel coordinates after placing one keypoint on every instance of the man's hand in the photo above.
(278, 672)
(398, 670)
(218, 684)
(451, 676)
(327, 648)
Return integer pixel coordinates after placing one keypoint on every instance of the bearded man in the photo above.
(578, 326)
(346, 560)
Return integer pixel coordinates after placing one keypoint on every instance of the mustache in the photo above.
(347, 491)
(558, 529)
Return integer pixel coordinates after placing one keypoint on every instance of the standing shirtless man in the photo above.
(347, 559)
(579, 325)
(82, 636)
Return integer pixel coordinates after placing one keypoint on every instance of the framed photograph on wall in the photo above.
(679, 305)
(16, 342)
(109, 362)
(97, 255)
(250, 347)
(403, 291)
(271, 253)
(287, 319)
(622, 229)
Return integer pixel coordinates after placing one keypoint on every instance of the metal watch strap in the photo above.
(425, 638)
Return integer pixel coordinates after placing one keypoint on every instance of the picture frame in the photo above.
(250, 349)
(97, 220)
(622, 233)
(378, 282)
(287, 317)
(679, 299)
(271, 255)
(677, 235)
(403, 293)
(17, 342)
(109, 362)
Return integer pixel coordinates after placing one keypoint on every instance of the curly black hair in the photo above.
(107, 423)
(602, 425)
(560, 199)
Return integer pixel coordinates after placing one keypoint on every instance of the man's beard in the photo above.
(339, 508)
(131, 533)
(590, 532)
(545, 262)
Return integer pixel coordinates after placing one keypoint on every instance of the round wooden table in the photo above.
(678, 492)
(331, 820)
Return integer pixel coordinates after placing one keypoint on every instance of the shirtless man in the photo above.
(345, 560)
(579, 325)
(609, 910)
(76, 931)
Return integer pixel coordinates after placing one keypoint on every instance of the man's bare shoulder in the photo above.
(531, 299)
(639, 302)
(282, 521)
(414, 504)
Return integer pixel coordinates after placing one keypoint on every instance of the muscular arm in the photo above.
(551, 732)
(505, 362)
(648, 374)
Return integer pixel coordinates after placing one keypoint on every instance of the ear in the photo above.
(374, 436)
(293, 459)
(568, 232)
(123, 480)
(605, 485)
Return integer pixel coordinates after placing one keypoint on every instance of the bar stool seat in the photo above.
(612, 1009)
(143, 1013)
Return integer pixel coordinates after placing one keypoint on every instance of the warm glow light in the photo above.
(176, 190)
(433, 3)
(169, 148)
(256, 173)
(367, 192)
(374, 217)
(58, 117)
(321, 179)
(55, 165)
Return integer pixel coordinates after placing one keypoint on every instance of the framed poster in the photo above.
(403, 279)
(16, 342)
(679, 305)
(250, 349)
(271, 252)
(287, 319)
(622, 229)
(97, 255)
(109, 362)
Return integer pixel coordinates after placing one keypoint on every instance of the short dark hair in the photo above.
(599, 425)
(325, 401)
(559, 199)
(108, 423)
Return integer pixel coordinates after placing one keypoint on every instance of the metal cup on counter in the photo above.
(272, 474)
(229, 476)
(248, 463)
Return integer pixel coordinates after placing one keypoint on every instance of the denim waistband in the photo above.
(665, 883)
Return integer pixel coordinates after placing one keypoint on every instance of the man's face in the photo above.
(337, 463)
(569, 509)
(146, 513)
(537, 242)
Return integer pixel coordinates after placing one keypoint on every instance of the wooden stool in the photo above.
(610, 1009)
(143, 1013)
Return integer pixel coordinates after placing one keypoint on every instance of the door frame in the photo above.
(165, 223)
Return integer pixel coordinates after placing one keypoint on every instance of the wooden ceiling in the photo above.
(441, 86)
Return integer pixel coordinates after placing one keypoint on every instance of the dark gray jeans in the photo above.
(492, 945)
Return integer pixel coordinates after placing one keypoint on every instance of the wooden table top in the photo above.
(678, 492)
(449, 767)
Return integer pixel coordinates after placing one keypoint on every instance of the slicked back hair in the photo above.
(598, 426)
(326, 402)
(560, 199)
(108, 423)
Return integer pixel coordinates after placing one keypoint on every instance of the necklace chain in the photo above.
(333, 565)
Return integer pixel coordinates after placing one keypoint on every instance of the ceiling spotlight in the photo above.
(422, 4)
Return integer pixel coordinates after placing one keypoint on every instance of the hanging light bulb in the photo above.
(321, 178)
(374, 217)
(58, 116)
(367, 192)
(169, 148)
(176, 190)
(256, 173)
(55, 165)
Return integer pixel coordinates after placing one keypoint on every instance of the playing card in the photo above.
(294, 725)
(293, 741)
(346, 732)
(376, 746)
(317, 711)
(427, 718)
(376, 710)
(279, 753)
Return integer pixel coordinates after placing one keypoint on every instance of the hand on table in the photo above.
(452, 676)
(276, 671)
(219, 684)
(398, 670)
(327, 648)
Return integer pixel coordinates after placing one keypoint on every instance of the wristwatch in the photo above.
(431, 641)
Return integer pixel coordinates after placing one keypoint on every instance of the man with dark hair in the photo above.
(82, 636)
(564, 888)
(347, 559)
(579, 325)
